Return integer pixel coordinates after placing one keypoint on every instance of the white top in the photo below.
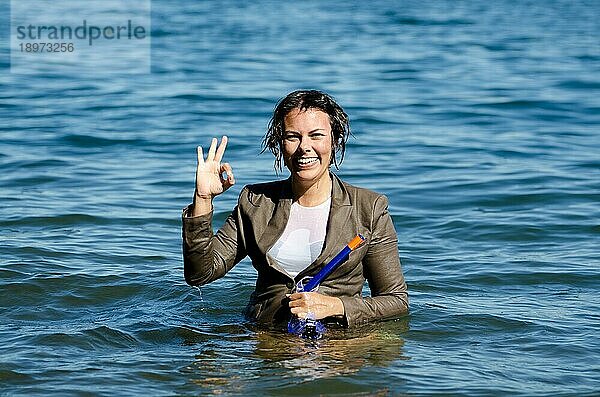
(303, 237)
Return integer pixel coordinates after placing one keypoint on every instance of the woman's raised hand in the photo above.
(210, 181)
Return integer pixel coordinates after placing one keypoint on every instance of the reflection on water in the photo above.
(342, 352)
(282, 360)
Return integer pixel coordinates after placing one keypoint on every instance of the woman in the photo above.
(290, 229)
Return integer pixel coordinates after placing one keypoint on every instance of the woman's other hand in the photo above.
(210, 181)
(315, 305)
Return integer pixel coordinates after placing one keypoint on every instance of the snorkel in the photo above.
(309, 328)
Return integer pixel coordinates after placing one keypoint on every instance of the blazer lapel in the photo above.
(277, 223)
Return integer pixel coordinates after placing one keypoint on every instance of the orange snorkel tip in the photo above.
(356, 242)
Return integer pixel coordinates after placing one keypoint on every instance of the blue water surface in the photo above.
(479, 120)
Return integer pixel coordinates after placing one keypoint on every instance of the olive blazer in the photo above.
(258, 221)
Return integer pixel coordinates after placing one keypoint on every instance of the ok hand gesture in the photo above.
(210, 181)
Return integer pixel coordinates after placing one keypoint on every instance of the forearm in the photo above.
(207, 257)
(201, 205)
(362, 310)
(198, 257)
(389, 293)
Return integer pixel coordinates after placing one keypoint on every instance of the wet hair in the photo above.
(304, 100)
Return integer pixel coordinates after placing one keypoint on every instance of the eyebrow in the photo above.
(310, 132)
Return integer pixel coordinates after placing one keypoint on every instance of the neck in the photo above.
(312, 194)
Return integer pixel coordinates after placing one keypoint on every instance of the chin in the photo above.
(309, 175)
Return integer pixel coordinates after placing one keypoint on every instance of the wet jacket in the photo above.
(258, 221)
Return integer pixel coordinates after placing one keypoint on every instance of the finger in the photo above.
(296, 296)
(221, 149)
(211, 151)
(230, 180)
(301, 313)
(304, 315)
(200, 155)
(297, 303)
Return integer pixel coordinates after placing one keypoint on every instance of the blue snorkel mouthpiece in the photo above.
(308, 328)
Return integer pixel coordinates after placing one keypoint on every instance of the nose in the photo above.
(305, 145)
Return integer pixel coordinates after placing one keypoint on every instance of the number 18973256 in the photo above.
(47, 47)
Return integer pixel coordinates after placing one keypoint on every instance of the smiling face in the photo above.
(307, 145)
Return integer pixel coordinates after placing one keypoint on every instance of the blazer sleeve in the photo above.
(382, 269)
(206, 256)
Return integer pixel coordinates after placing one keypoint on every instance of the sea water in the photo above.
(479, 120)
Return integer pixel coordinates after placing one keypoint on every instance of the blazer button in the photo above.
(290, 285)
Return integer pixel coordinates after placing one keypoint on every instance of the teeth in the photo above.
(305, 161)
